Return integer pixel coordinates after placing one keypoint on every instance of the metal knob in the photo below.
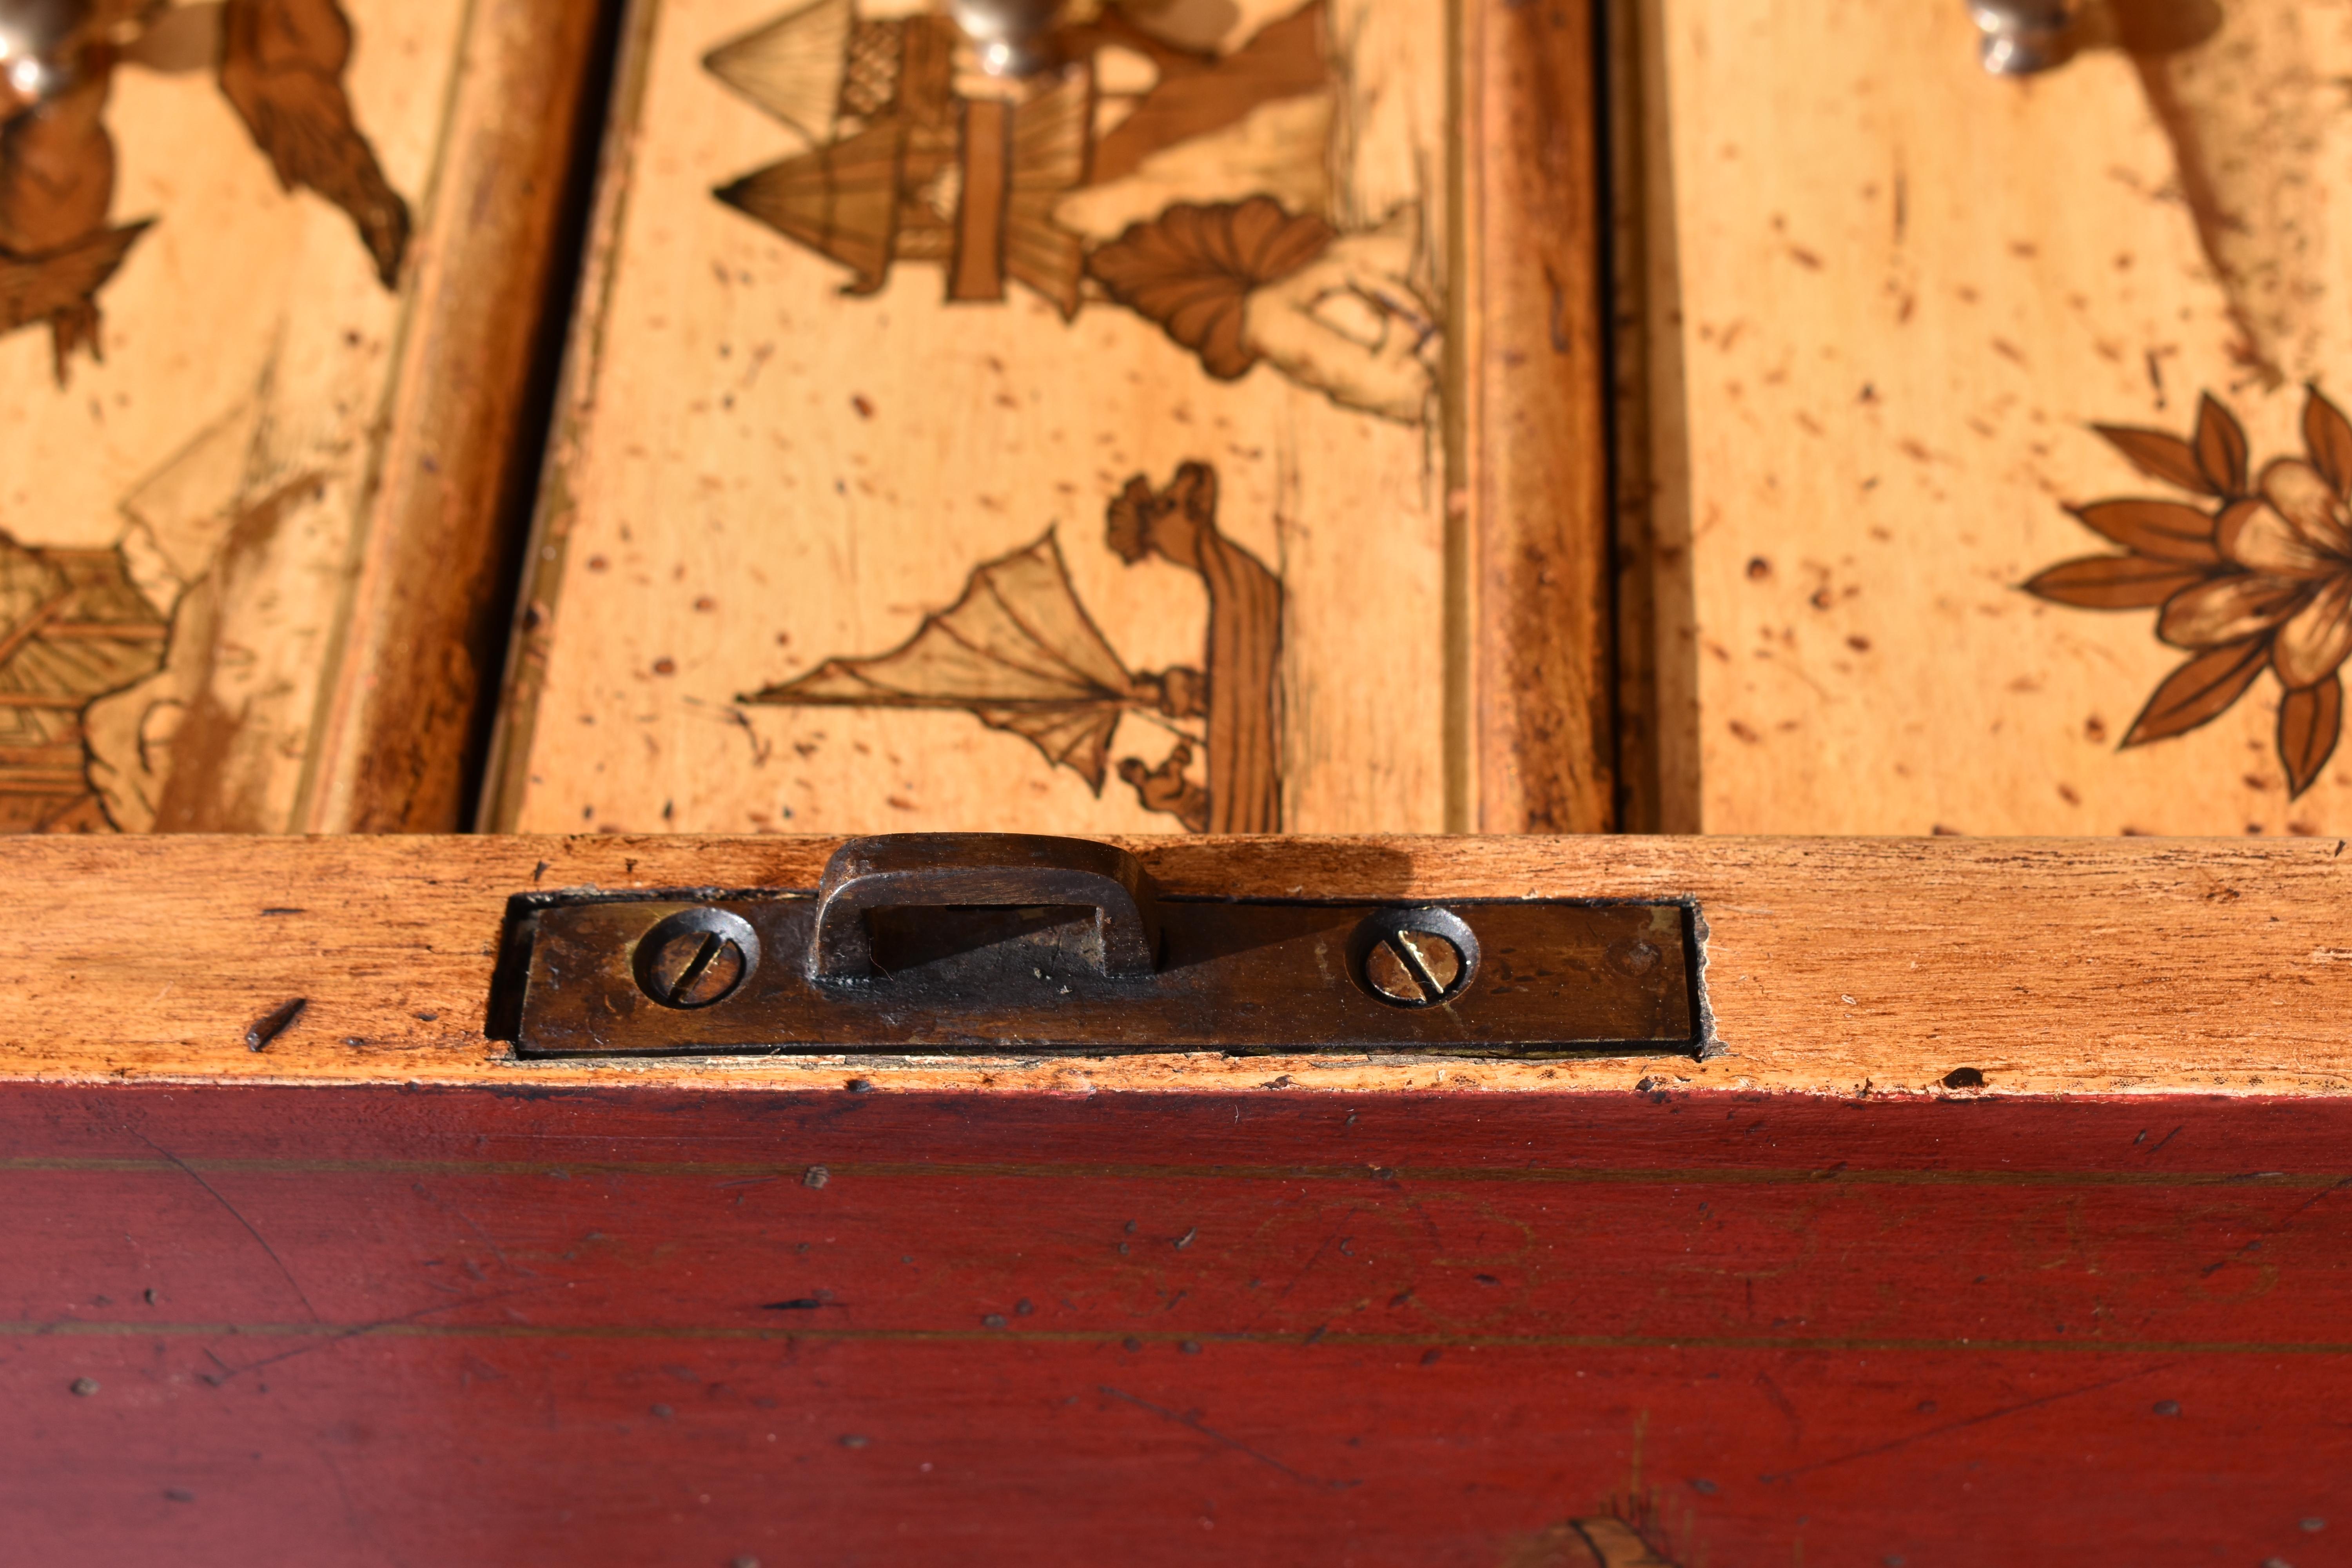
(42, 46)
(2018, 37)
(1010, 34)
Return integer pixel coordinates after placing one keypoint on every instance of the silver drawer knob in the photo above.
(1010, 34)
(2019, 37)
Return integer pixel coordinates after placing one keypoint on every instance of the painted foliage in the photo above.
(72, 629)
(279, 63)
(114, 670)
(151, 626)
(1911, 369)
(1202, 168)
(1149, 173)
(2253, 575)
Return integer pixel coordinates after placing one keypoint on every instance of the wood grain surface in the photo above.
(1204, 434)
(398, 729)
(1542, 707)
(261, 462)
(612, 1327)
(1848, 967)
(1892, 299)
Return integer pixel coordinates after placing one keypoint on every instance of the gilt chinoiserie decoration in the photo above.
(1020, 653)
(279, 64)
(1122, 174)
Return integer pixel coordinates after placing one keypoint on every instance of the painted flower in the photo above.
(2262, 580)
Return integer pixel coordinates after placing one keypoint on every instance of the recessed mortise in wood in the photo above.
(1851, 967)
(988, 945)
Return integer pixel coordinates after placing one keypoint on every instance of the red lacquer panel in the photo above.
(651, 1326)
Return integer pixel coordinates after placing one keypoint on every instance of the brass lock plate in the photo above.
(987, 944)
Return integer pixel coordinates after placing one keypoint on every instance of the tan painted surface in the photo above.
(765, 481)
(1851, 966)
(1906, 291)
(227, 459)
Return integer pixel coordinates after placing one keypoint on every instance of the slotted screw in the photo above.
(694, 969)
(1413, 968)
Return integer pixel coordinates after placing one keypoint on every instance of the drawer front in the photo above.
(1968, 1209)
(638, 1325)
(1106, 450)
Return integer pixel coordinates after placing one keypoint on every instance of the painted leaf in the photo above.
(2161, 530)
(281, 68)
(2230, 608)
(73, 627)
(2328, 436)
(2112, 582)
(1192, 268)
(2308, 722)
(2199, 691)
(2158, 454)
(2220, 447)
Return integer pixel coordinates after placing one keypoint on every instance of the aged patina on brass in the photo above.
(990, 944)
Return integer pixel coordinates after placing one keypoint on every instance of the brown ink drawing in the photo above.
(122, 706)
(1020, 653)
(72, 629)
(279, 63)
(113, 667)
(2254, 575)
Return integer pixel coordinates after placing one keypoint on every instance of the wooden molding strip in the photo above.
(1536, 480)
(396, 718)
(1847, 966)
(532, 630)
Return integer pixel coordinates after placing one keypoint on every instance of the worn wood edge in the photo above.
(2049, 967)
(530, 634)
(1626, 298)
(404, 691)
(1661, 573)
(1537, 429)
(1463, 336)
